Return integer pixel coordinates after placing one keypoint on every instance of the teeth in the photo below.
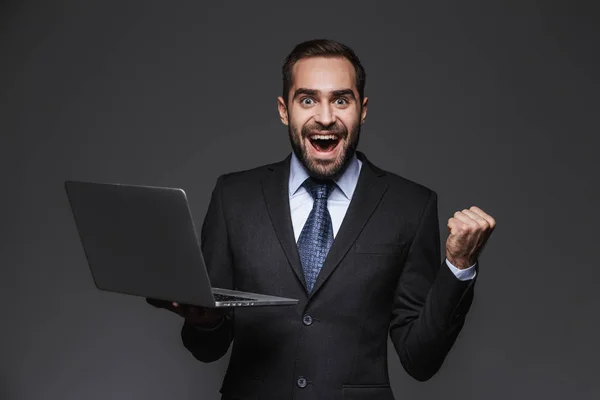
(323, 137)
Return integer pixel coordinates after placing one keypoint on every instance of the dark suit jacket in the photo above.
(383, 273)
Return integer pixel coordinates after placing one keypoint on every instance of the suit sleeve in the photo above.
(430, 303)
(208, 345)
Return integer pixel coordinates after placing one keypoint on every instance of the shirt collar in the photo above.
(346, 182)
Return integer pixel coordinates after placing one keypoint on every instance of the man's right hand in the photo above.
(203, 317)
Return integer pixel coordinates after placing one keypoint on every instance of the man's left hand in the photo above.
(469, 231)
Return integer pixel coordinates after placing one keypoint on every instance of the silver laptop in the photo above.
(141, 241)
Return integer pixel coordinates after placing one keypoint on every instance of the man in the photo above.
(359, 246)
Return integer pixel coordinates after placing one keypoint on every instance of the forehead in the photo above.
(324, 74)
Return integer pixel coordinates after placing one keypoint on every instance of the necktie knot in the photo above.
(319, 189)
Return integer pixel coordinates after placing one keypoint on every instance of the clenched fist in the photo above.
(469, 230)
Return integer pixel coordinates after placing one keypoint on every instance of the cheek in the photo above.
(298, 120)
(350, 121)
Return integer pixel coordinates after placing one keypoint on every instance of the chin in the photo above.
(320, 169)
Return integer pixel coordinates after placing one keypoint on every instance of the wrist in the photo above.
(460, 263)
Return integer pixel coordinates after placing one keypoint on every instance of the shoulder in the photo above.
(400, 185)
(247, 177)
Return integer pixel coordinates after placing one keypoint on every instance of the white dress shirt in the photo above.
(301, 202)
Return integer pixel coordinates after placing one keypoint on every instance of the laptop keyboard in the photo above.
(223, 297)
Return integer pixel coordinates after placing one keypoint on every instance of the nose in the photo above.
(325, 115)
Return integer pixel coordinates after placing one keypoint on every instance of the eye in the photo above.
(341, 101)
(306, 101)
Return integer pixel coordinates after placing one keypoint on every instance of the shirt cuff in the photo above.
(462, 274)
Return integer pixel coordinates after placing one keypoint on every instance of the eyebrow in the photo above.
(334, 93)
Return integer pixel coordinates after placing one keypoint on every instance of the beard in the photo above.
(320, 169)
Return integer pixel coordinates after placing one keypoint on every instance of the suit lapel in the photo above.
(368, 193)
(275, 185)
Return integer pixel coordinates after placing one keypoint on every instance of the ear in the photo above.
(363, 113)
(282, 108)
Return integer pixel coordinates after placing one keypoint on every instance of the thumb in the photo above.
(452, 225)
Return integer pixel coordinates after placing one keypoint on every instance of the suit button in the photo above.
(307, 320)
(301, 382)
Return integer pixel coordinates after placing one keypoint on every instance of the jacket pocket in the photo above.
(364, 392)
(379, 248)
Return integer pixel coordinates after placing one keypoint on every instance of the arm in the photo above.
(430, 303)
(209, 344)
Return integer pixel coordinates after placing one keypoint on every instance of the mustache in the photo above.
(335, 129)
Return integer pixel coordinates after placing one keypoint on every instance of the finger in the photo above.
(191, 311)
(484, 215)
(477, 218)
(167, 305)
(462, 228)
(465, 219)
(453, 225)
(158, 303)
(178, 308)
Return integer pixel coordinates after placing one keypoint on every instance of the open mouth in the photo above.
(324, 143)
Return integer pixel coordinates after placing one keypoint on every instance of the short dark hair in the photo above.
(322, 48)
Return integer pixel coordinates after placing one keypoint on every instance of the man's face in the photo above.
(323, 114)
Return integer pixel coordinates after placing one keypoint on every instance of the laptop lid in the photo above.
(140, 240)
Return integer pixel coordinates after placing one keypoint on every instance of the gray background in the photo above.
(488, 105)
